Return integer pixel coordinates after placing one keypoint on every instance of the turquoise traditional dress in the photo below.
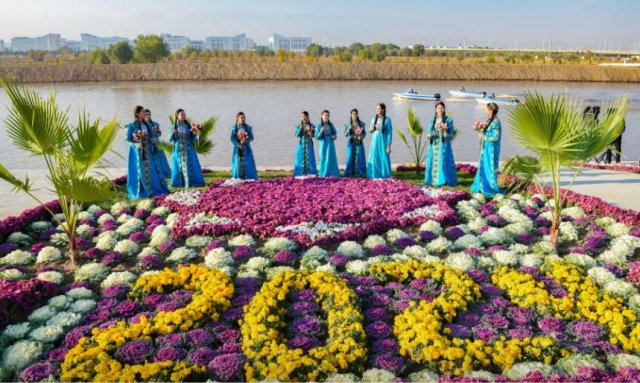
(328, 166)
(356, 161)
(379, 163)
(243, 165)
(486, 181)
(185, 170)
(440, 166)
(305, 162)
(144, 176)
(161, 157)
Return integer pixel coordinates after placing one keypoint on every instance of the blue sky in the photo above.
(572, 24)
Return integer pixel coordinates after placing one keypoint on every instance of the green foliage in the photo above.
(150, 49)
(491, 59)
(315, 50)
(99, 56)
(121, 52)
(415, 131)
(204, 145)
(418, 50)
(343, 57)
(37, 55)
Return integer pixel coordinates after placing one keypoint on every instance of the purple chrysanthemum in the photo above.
(551, 324)
(497, 320)
(167, 246)
(459, 331)
(139, 237)
(242, 253)
(170, 340)
(229, 335)
(305, 343)
(127, 308)
(386, 345)
(496, 220)
(338, 260)
(389, 362)
(452, 233)
(202, 356)
(520, 333)
(227, 367)
(112, 258)
(6, 248)
(141, 213)
(304, 295)
(303, 307)
(116, 291)
(36, 247)
(150, 262)
(381, 249)
(473, 252)
(215, 244)
(375, 314)
(427, 235)
(306, 326)
(83, 243)
(524, 238)
(93, 253)
(173, 354)
(403, 242)
(57, 354)
(485, 334)
(284, 257)
(168, 306)
(135, 352)
(230, 348)
(378, 330)
(38, 372)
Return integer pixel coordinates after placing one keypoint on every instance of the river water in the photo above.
(273, 109)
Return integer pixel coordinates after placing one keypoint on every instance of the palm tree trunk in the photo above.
(72, 250)
(553, 233)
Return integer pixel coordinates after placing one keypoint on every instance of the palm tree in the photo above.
(204, 145)
(417, 148)
(40, 128)
(557, 133)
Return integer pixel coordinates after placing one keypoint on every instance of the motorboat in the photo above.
(463, 93)
(498, 100)
(413, 95)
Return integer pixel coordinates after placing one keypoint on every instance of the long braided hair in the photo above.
(493, 107)
(384, 117)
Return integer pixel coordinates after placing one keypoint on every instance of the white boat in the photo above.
(497, 100)
(462, 93)
(413, 95)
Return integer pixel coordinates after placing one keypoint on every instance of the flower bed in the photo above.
(628, 168)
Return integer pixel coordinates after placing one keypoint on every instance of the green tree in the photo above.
(343, 57)
(99, 56)
(121, 52)
(418, 50)
(315, 50)
(415, 130)
(554, 130)
(355, 48)
(150, 49)
(38, 127)
(36, 55)
(491, 59)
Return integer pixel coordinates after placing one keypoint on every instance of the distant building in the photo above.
(176, 43)
(229, 43)
(73, 45)
(1, 45)
(90, 42)
(51, 43)
(198, 44)
(293, 44)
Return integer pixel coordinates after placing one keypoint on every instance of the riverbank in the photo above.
(327, 71)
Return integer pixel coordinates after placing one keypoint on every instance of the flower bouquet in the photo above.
(140, 136)
(479, 126)
(196, 128)
(310, 130)
(242, 136)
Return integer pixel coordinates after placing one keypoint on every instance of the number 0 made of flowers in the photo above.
(268, 356)
(92, 358)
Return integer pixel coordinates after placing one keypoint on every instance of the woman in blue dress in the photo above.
(305, 163)
(486, 181)
(243, 165)
(440, 166)
(144, 177)
(325, 134)
(161, 157)
(379, 163)
(355, 133)
(185, 170)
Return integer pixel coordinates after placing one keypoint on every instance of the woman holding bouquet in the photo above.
(440, 165)
(325, 134)
(305, 162)
(185, 170)
(355, 133)
(161, 158)
(144, 177)
(243, 165)
(379, 164)
(486, 181)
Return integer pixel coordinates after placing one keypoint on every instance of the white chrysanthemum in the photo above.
(620, 288)
(258, 263)
(432, 226)
(146, 251)
(552, 258)
(84, 230)
(479, 197)
(512, 214)
(476, 225)
(21, 354)
(107, 241)
(149, 273)
(531, 260)
(122, 219)
(604, 221)
(272, 272)
(620, 361)
(198, 241)
(276, 244)
(612, 257)
(416, 252)
(181, 255)
(582, 260)
(313, 258)
(468, 211)
(574, 212)
(568, 231)
(617, 229)
(59, 302)
(229, 270)
(172, 219)
(48, 254)
(218, 259)
(546, 215)
(373, 241)
(93, 209)
(423, 376)
(39, 226)
(400, 257)
(47, 334)
(520, 249)
(92, 272)
(395, 234)
(42, 314)
(146, 204)
(19, 239)
(377, 375)
(544, 247)
(380, 259)
(439, 245)
(327, 268)
(83, 306)
(468, 241)
(520, 227)
(126, 247)
(17, 331)
(65, 319)
(162, 211)
(80, 293)
(119, 278)
(486, 263)
(131, 226)
(357, 267)
(625, 245)
(105, 218)
(350, 249)
(461, 261)
(571, 363)
(520, 370)
(12, 274)
(481, 375)
(505, 257)
(634, 302)
(248, 273)
(51, 276)
(116, 207)
(495, 236)
(17, 257)
(600, 275)
(160, 235)
(342, 378)
(242, 240)
(507, 203)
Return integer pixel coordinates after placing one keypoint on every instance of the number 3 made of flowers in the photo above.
(91, 359)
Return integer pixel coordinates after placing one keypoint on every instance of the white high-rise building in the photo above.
(229, 43)
(51, 43)
(90, 42)
(176, 43)
(293, 44)
(1, 45)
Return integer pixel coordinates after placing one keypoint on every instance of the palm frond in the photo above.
(204, 145)
(414, 126)
(83, 189)
(527, 169)
(403, 137)
(18, 185)
(90, 141)
(166, 147)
